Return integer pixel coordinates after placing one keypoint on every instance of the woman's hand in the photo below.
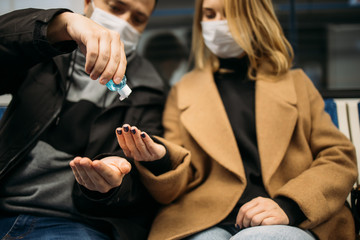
(100, 175)
(138, 145)
(261, 211)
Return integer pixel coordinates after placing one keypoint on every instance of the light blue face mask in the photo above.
(128, 34)
(218, 39)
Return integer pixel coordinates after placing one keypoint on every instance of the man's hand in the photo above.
(261, 211)
(105, 55)
(100, 175)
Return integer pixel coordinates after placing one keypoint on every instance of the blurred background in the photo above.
(325, 35)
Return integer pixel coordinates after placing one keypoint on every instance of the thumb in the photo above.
(125, 167)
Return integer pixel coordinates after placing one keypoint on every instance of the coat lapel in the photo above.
(276, 116)
(214, 135)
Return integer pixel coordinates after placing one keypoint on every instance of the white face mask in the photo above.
(128, 34)
(218, 39)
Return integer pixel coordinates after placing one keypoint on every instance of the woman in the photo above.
(259, 157)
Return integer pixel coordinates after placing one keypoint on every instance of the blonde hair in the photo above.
(255, 27)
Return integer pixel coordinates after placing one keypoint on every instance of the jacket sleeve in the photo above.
(130, 199)
(23, 43)
(168, 186)
(321, 190)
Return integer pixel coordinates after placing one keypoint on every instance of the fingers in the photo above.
(81, 167)
(138, 145)
(261, 211)
(131, 137)
(104, 51)
(120, 71)
(113, 62)
(102, 175)
(102, 58)
(92, 49)
(246, 213)
(157, 151)
(134, 144)
(111, 178)
(76, 171)
(254, 217)
(109, 62)
(125, 167)
(120, 133)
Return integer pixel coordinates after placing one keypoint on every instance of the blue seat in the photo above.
(331, 109)
(2, 110)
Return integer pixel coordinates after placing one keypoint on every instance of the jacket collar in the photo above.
(276, 117)
(275, 111)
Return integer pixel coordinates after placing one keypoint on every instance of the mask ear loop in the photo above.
(92, 4)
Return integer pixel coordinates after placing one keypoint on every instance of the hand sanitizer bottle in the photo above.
(122, 88)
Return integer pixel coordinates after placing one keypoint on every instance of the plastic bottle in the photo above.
(122, 88)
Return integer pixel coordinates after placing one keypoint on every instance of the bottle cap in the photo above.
(124, 92)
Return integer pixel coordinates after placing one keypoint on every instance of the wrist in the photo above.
(58, 28)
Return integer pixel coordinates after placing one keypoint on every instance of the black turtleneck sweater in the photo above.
(238, 96)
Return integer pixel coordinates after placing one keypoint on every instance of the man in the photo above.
(48, 61)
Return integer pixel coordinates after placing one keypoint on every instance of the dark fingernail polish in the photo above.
(126, 129)
(119, 131)
(143, 135)
(133, 131)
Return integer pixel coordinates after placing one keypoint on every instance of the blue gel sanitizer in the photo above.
(122, 88)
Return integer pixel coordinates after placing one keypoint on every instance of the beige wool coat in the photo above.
(303, 157)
